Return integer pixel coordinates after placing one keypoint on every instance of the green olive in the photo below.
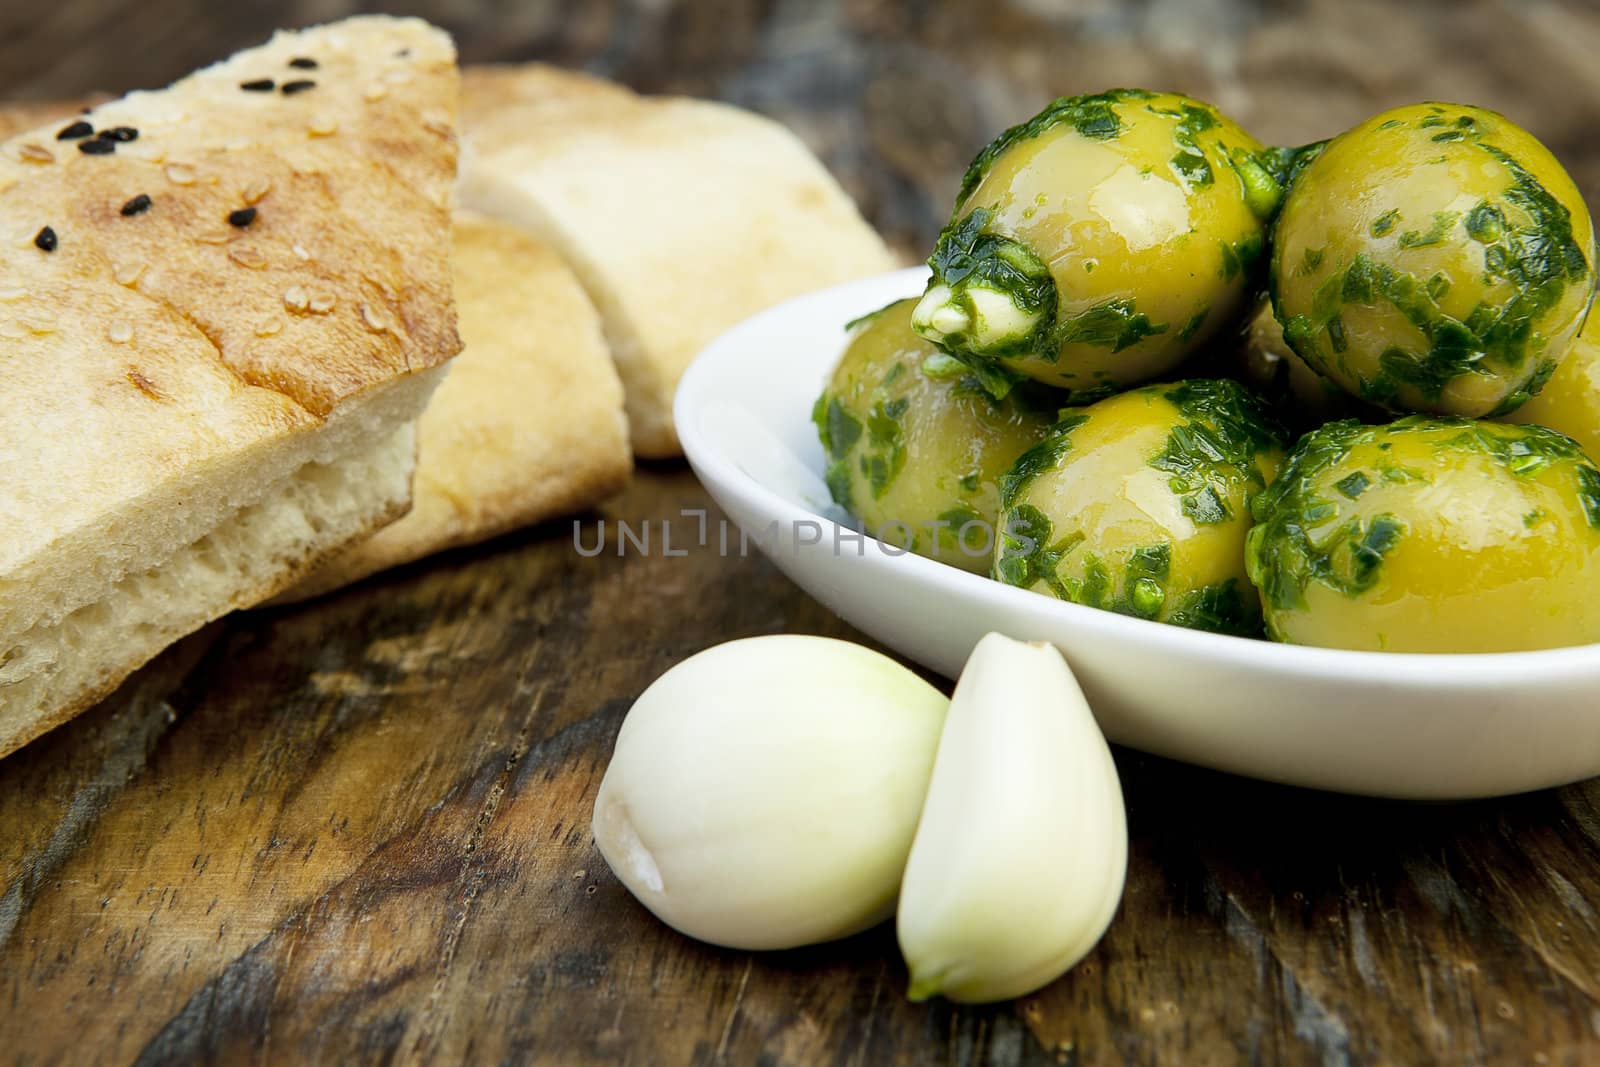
(1140, 504)
(1097, 244)
(915, 446)
(1570, 401)
(1431, 535)
(1434, 258)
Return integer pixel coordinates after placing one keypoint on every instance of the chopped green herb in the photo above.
(1435, 234)
(943, 365)
(1222, 608)
(1206, 507)
(1115, 324)
(1192, 327)
(1353, 485)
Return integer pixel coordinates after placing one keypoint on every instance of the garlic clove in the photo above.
(764, 793)
(1021, 852)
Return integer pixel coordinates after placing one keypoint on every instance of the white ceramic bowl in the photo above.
(1424, 726)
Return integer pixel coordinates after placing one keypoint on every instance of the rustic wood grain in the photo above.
(357, 830)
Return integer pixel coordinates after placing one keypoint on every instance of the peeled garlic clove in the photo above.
(764, 793)
(1022, 848)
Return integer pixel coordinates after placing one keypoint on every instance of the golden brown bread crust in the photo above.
(527, 426)
(368, 149)
(168, 335)
(212, 318)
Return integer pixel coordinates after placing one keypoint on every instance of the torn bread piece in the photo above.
(681, 217)
(222, 307)
(527, 426)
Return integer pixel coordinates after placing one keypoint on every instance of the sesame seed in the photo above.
(374, 92)
(45, 240)
(246, 256)
(321, 303)
(322, 126)
(35, 153)
(120, 134)
(242, 217)
(296, 298)
(257, 191)
(437, 122)
(303, 63)
(373, 318)
(12, 330)
(41, 322)
(298, 86)
(397, 77)
(178, 174)
(97, 147)
(300, 251)
(213, 237)
(12, 293)
(260, 85)
(128, 273)
(137, 206)
(269, 327)
(75, 131)
(120, 333)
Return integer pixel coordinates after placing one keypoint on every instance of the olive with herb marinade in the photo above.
(1140, 504)
(915, 446)
(1434, 258)
(1097, 244)
(1431, 535)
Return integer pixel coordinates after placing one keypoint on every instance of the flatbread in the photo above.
(527, 426)
(681, 217)
(220, 323)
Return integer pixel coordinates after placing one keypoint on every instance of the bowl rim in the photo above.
(1449, 670)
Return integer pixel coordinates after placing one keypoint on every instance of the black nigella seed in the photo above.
(404, 53)
(120, 133)
(97, 147)
(242, 218)
(45, 239)
(75, 131)
(303, 63)
(137, 206)
(290, 88)
(260, 85)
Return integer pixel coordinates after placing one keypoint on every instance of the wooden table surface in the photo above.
(358, 830)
